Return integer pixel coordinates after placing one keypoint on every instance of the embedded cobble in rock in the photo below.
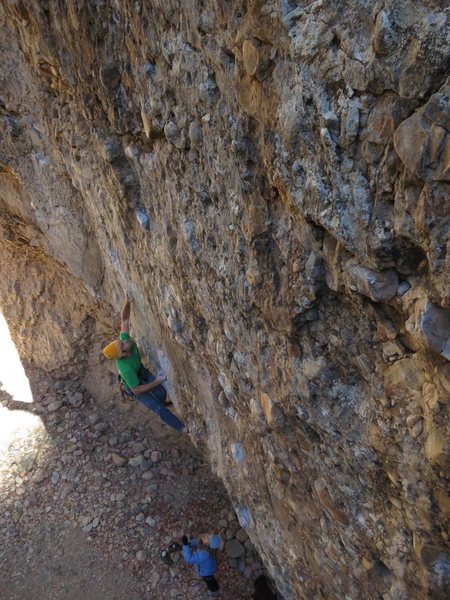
(234, 548)
(118, 460)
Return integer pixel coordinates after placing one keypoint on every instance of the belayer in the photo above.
(137, 380)
(202, 554)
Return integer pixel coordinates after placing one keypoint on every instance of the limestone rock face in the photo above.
(269, 181)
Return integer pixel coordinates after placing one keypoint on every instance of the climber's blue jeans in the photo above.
(155, 400)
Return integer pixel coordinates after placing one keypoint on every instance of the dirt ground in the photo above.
(91, 495)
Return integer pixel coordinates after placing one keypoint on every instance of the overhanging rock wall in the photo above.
(269, 180)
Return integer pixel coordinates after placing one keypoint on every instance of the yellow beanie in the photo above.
(113, 350)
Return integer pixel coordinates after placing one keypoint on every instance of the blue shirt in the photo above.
(204, 562)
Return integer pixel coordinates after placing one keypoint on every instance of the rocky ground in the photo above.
(90, 501)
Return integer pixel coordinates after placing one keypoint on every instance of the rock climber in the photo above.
(201, 553)
(136, 379)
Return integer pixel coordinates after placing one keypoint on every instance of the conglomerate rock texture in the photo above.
(269, 180)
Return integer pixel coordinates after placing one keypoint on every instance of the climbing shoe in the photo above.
(165, 557)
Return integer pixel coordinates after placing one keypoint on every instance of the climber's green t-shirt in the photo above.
(129, 367)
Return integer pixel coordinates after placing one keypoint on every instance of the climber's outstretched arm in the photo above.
(125, 316)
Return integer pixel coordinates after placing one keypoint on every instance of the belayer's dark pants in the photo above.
(211, 582)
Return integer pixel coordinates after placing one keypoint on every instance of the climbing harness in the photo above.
(125, 392)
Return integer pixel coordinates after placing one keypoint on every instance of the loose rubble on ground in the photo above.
(89, 503)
